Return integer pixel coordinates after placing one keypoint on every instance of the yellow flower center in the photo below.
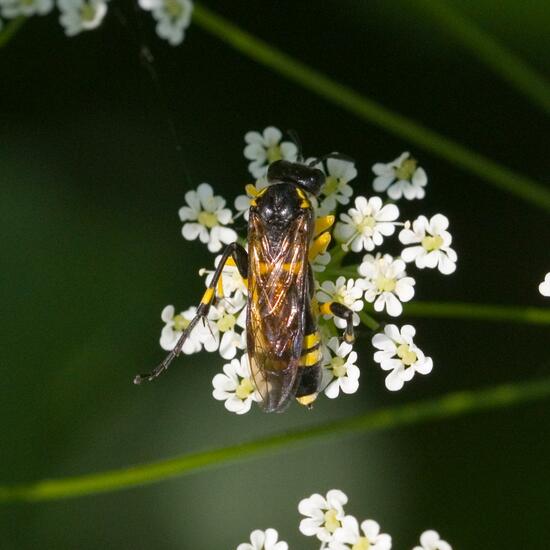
(337, 366)
(87, 12)
(331, 523)
(407, 356)
(331, 185)
(274, 153)
(173, 8)
(244, 389)
(180, 323)
(226, 322)
(432, 243)
(367, 222)
(406, 170)
(383, 284)
(362, 544)
(208, 219)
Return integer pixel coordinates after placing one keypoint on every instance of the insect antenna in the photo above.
(335, 155)
(159, 369)
(293, 135)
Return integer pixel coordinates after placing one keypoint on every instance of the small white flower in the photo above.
(349, 537)
(172, 17)
(400, 355)
(81, 15)
(544, 287)
(335, 190)
(347, 292)
(15, 8)
(340, 367)
(365, 226)
(400, 177)
(263, 149)
(223, 319)
(235, 386)
(386, 283)
(263, 540)
(324, 515)
(434, 241)
(320, 262)
(175, 325)
(430, 540)
(207, 217)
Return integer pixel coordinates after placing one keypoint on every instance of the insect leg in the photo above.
(342, 312)
(240, 258)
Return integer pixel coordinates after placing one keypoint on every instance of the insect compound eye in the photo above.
(314, 181)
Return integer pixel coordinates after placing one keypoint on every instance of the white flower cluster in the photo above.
(172, 16)
(381, 285)
(326, 520)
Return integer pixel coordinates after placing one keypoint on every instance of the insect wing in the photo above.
(278, 290)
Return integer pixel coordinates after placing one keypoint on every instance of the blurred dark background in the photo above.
(90, 184)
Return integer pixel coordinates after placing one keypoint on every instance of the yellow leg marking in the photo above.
(307, 400)
(220, 287)
(319, 245)
(230, 261)
(311, 358)
(349, 338)
(207, 296)
(324, 309)
(251, 190)
(311, 340)
(322, 224)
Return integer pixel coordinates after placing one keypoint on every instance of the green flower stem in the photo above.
(480, 312)
(369, 110)
(488, 50)
(10, 30)
(450, 405)
(368, 321)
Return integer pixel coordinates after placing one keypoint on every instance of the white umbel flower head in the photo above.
(265, 148)
(263, 540)
(401, 177)
(430, 540)
(544, 287)
(339, 364)
(320, 262)
(172, 17)
(324, 515)
(81, 15)
(225, 318)
(433, 248)
(364, 227)
(347, 292)
(350, 537)
(174, 327)
(16, 8)
(339, 173)
(206, 218)
(386, 283)
(235, 386)
(399, 355)
(242, 202)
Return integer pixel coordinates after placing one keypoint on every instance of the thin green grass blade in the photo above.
(451, 405)
(490, 51)
(367, 109)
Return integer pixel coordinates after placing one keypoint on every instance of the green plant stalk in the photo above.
(367, 109)
(10, 30)
(449, 406)
(480, 312)
(489, 51)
